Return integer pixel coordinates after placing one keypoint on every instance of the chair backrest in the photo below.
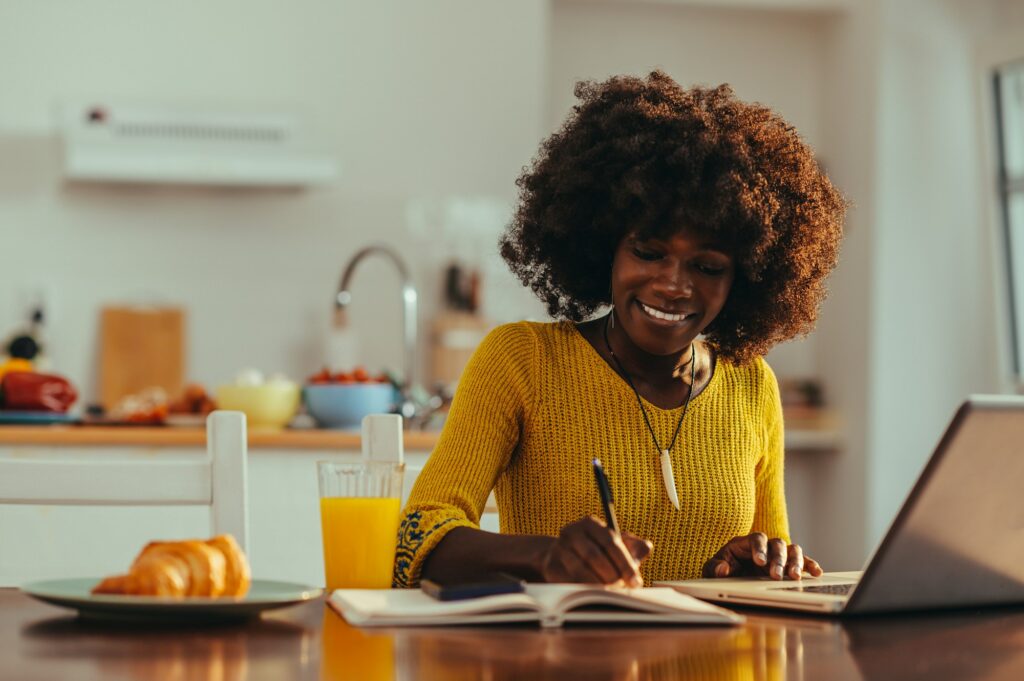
(219, 482)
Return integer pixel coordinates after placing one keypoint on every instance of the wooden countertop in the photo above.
(167, 436)
(805, 430)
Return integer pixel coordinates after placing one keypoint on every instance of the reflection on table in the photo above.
(763, 649)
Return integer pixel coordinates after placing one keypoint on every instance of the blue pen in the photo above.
(606, 497)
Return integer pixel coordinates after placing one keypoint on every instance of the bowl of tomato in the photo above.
(342, 399)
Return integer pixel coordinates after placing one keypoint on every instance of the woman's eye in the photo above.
(644, 254)
(712, 270)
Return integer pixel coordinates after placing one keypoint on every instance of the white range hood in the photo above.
(150, 144)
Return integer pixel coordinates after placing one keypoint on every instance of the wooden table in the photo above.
(41, 642)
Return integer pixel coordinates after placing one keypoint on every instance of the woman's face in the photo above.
(667, 291)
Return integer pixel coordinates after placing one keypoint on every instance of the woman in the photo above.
(707, 226)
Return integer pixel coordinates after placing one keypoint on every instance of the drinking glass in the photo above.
(360, 504)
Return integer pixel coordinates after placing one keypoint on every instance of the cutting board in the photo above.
(455, 337)
(140, 347)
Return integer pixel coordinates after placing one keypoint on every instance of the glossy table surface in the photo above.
(39, 641)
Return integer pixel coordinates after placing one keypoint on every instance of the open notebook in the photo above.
(550, 605)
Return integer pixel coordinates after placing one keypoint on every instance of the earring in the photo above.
(611, 312)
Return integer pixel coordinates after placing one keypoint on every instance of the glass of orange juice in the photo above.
(360, 504)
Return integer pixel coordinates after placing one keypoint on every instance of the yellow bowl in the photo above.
(271, 405)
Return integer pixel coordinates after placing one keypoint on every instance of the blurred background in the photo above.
(406, 124)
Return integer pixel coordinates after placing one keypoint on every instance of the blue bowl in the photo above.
(343, 405)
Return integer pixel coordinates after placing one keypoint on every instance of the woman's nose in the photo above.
(674, 282)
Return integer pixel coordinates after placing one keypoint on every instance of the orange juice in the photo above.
(359, 541)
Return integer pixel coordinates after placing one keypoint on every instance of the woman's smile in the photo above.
(664, 317)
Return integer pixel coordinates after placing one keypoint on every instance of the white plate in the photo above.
(263, 595)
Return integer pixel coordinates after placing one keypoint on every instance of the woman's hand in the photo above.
(587, 551)
(756, 554)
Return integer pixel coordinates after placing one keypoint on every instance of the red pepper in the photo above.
(29, 391)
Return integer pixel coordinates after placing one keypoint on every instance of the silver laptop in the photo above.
(958, 540)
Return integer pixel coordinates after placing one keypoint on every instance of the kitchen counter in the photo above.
(184, 437)
(816, 430)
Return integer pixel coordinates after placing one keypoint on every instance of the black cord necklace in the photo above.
(666, 462)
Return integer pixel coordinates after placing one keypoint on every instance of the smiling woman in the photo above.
(707, 226)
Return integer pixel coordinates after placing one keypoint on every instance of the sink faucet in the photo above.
(409, 297)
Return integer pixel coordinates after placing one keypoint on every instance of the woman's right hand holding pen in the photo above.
(589, 551)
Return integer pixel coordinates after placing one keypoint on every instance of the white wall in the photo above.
(911, 327)
(932, 290)
(839, 494)
(420, 102)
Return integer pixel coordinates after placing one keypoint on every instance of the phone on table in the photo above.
(488, 585)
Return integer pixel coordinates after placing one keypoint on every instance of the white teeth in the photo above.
(658, 314)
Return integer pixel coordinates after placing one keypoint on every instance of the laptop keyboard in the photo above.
(831, 589)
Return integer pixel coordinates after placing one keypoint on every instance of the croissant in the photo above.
(177, 569)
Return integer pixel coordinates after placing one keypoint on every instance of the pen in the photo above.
(606, 497)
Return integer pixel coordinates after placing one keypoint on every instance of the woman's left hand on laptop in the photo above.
(756, 555)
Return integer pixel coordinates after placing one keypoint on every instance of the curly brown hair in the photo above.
(646, 156)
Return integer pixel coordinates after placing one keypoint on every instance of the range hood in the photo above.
(153, 144)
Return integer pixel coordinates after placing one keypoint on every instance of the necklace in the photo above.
(668, 476)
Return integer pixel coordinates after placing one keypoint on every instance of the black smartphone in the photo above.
(489, 585)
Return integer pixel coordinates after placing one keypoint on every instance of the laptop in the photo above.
(958, 540)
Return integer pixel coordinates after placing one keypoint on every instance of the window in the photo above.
(1009, 91)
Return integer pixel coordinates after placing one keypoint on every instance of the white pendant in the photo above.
(669, 478)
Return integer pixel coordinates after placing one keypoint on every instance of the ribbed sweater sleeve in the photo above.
(769, 497)
(483, 428)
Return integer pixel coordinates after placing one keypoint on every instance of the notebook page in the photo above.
(401, 605)
(563, 598)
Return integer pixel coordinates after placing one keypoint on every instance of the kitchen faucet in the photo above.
(409, 299)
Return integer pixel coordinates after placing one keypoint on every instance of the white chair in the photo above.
(218, 482)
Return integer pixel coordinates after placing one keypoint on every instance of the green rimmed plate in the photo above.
(264, 594)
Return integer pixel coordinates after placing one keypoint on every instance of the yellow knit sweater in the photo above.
(536, 404)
